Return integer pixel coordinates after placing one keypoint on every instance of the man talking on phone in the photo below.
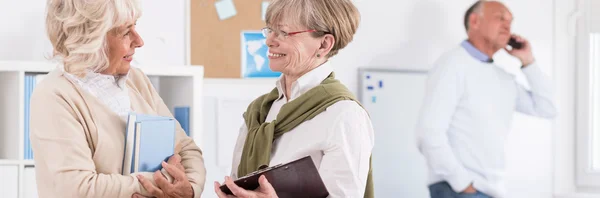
(469, 104)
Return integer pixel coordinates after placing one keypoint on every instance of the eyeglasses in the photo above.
(283, 35)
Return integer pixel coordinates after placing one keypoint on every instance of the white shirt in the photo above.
(466, 117)
(110, 90)
(339, 140)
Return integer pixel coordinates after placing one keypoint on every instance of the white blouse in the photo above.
(339, 140)
(110, 90)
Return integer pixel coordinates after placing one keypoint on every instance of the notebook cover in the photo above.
(299, 178)
(128, 156)
(156, 144)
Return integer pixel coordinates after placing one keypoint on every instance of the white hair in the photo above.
(479, 7)
(77, 30)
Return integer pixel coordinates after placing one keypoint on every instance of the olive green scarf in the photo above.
(261, 134)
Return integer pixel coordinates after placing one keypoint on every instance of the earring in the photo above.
(318, 55)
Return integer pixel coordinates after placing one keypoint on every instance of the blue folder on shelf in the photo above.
(182, 115)
(27, 98)
(30, 81)
(149, 140)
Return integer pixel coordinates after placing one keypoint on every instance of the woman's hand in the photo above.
(180, 188)
(265, 190)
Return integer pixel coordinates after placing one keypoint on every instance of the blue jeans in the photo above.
(443, 190)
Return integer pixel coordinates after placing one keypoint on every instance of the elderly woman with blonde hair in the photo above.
(78, 114)
(309, 112)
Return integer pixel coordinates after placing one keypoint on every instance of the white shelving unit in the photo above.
(177, 85)
(225, 100)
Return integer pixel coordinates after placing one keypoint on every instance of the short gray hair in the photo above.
(77, 30)
(339, 18)
(475, 8)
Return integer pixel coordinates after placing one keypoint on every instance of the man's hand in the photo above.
(265, 190)
(524, 54)
(180, 188)
(470, 190)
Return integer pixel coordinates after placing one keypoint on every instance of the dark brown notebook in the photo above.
(299, 178)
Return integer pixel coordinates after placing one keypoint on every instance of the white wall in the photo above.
(23, 34)
(162, 26)
(411, 34)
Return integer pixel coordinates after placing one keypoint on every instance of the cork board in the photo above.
(215, 43)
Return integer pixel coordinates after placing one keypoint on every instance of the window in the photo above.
(594, 54)
(588, 97)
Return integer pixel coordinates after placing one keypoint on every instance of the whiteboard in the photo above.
(393, 99)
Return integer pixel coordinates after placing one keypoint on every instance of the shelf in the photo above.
(16, 162)
(28, 163)
(579, 195)
(250, 87)
(26, 66)
(9, 162)
(150, 70)
(183, 70)
(241, 81)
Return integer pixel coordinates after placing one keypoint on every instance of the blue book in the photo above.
(26, 99)
(149, 140)
(182, 115)
(154, 143)
(31, 88)
(36, 79)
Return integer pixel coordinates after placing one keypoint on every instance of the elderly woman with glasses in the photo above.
(309, 112)
(79, 112)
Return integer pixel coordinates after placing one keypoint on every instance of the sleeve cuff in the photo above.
(149, 177)
(529, 68)
(197, 190)
(460, 181)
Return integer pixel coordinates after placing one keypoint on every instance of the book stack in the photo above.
(149, 140)
(31, 80)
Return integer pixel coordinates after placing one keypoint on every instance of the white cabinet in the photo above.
(9, 174)
(177, 85)
(29, 185)
(225, 100)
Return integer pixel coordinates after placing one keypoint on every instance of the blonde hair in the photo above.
(77, 30)
(339, 18)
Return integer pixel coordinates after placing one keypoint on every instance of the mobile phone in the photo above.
(514, 44)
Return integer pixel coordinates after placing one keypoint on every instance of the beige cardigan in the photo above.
(78, 142)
